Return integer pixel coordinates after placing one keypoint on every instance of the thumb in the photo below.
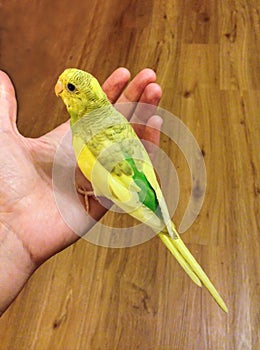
(8, 104)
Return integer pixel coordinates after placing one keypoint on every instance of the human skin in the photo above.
(31, 228)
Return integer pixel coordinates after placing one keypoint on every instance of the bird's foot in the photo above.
(86, 195)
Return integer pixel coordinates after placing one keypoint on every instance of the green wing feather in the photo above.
(146, 194)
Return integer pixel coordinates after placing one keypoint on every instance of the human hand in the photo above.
(31, 228)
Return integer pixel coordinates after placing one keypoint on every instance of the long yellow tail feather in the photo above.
(167, 240)
(190, 265)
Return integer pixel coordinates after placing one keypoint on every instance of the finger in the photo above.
(146, 107)
(152, 94)
(153, 130)
(115, 83)
(136, 87)
(8, 110)
(151, 135)
(134, 90)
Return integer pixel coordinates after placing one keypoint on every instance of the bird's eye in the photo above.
(71, 87)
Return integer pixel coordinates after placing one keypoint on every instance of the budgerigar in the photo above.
(114, 160)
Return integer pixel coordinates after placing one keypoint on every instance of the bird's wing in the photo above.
(130, 183)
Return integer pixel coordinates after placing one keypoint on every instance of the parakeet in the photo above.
(113, 159)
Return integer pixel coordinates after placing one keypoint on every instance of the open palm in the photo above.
(27, 206)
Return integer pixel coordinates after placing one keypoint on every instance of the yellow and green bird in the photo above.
(113, 159)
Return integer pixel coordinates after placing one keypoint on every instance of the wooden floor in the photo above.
(207, 58)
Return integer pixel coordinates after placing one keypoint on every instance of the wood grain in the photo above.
(207, 58)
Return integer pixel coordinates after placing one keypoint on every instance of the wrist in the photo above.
(16, 266)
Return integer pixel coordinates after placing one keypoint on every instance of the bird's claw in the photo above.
(86, 195)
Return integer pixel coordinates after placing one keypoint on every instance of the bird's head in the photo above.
(80, 92)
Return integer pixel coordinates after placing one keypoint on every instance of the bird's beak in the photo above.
(58, 88)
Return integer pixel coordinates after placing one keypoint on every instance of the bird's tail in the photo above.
(189, 264)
